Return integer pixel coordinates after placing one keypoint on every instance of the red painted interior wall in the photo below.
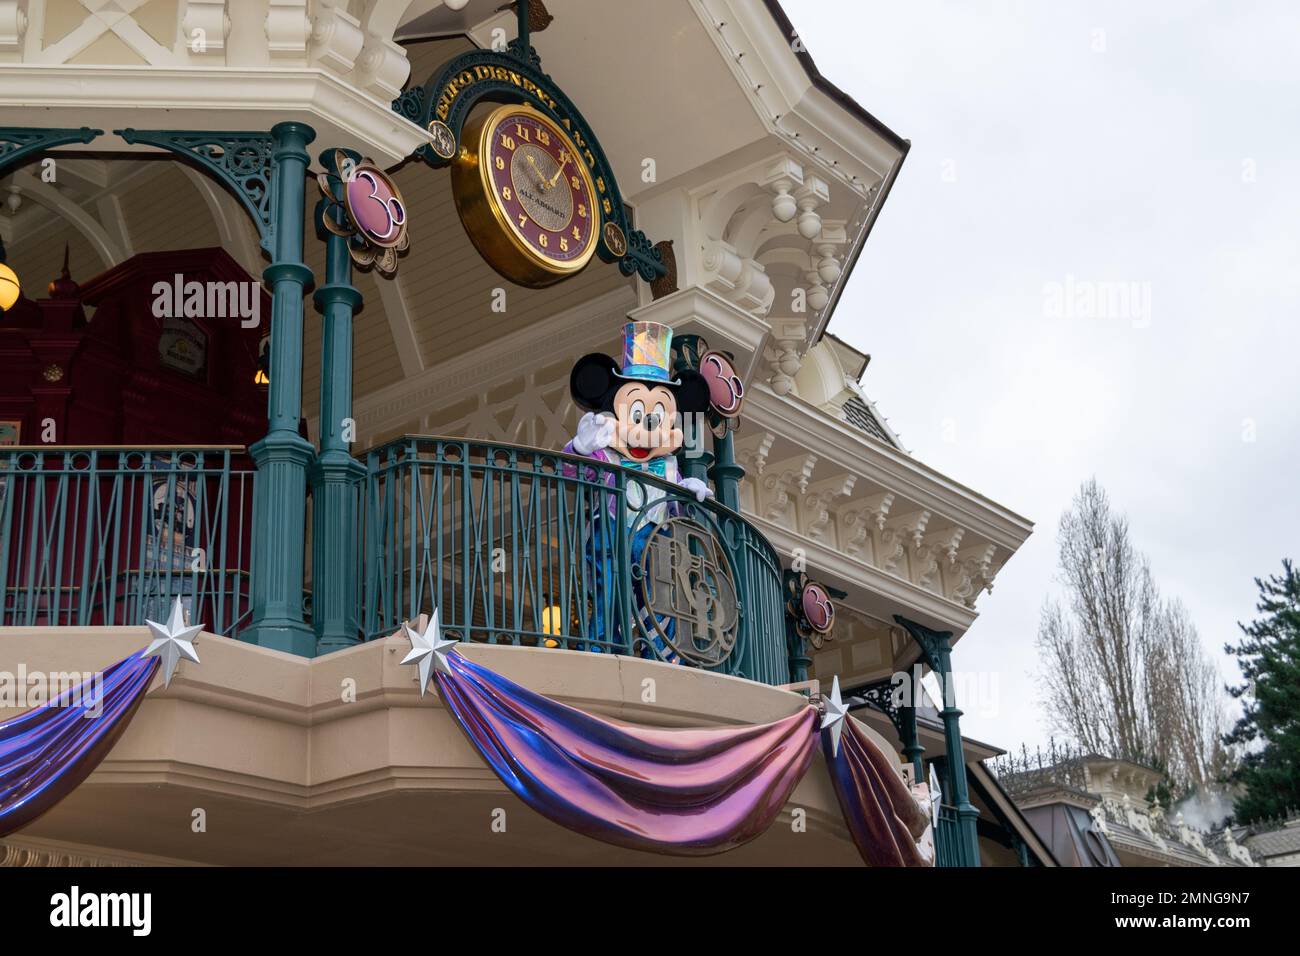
(87, 358)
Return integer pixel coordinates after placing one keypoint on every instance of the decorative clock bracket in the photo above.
(442, 105)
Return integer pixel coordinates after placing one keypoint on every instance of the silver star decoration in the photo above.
(428, 650)
(834, 710)
(172, 641)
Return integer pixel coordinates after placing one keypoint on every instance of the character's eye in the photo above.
(657, 419)
(638, 412)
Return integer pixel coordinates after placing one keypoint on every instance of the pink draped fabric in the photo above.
(689, 792)
(878, 808)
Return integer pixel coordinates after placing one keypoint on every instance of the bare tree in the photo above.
(1191, 719)
(1125, 675)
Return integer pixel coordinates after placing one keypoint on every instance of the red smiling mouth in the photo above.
(640, 454)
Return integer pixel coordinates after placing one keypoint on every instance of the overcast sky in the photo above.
(1153, 146)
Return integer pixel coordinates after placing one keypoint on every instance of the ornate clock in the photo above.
(525, 196)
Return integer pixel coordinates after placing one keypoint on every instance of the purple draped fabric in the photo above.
(689, 792)
(878, 808)
(47, 751)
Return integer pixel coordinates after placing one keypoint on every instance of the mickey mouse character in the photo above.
(633, 420)
(633, 411)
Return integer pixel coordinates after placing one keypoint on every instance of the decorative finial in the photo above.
(539, 18)
(64, 287)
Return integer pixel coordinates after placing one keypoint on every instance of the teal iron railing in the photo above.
(111, 536)
(514, 545)
(947, 838)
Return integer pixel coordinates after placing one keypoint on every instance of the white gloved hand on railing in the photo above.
(697, 487)
(595, 431)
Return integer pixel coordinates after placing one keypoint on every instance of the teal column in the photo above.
(798, 653)
(726, 474)
(336, 476)
(912, 749)
(693, 459)
(958, 795)
(1022, 851)
(283, 456)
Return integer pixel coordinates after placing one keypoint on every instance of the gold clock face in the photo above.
(526, 196)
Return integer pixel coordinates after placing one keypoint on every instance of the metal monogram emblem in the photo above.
(615, 241)
(441, 139)
(690, 590)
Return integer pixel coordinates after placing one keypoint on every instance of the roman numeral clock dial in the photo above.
(526, 196)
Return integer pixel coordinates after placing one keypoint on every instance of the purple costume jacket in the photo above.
(668, 463)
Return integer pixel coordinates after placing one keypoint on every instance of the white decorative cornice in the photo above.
(287, 27)
(788, 335)
(735, 277)
(782, 178)
(806, 118)
(883, 466)
(204, 27)
(782, 482)
(247, 98)
(878, 591)
(857, 533)
(808, 198)
(753, 454)
(21, 850)
(820, 498)
(382, 67)
(946, 541)
(336, 38)
(911, 525)
(13, 24)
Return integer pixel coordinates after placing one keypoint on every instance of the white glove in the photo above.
(697, 487)
(595, 431)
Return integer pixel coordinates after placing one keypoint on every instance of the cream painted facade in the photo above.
(727, 143)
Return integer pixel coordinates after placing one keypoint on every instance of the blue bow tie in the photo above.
(655, 466)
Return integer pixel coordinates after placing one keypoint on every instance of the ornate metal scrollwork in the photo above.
(881, 695)
(241, 160)
(19, 142)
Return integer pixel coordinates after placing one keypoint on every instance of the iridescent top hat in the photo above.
(647, 357)
(647, 352)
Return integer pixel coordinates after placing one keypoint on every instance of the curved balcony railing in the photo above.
(111, 536)
(515, 545)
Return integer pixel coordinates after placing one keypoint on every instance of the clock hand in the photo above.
(541, 178)
(554, 178)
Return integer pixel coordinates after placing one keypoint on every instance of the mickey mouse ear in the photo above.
(693, 392)
(591, 379)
